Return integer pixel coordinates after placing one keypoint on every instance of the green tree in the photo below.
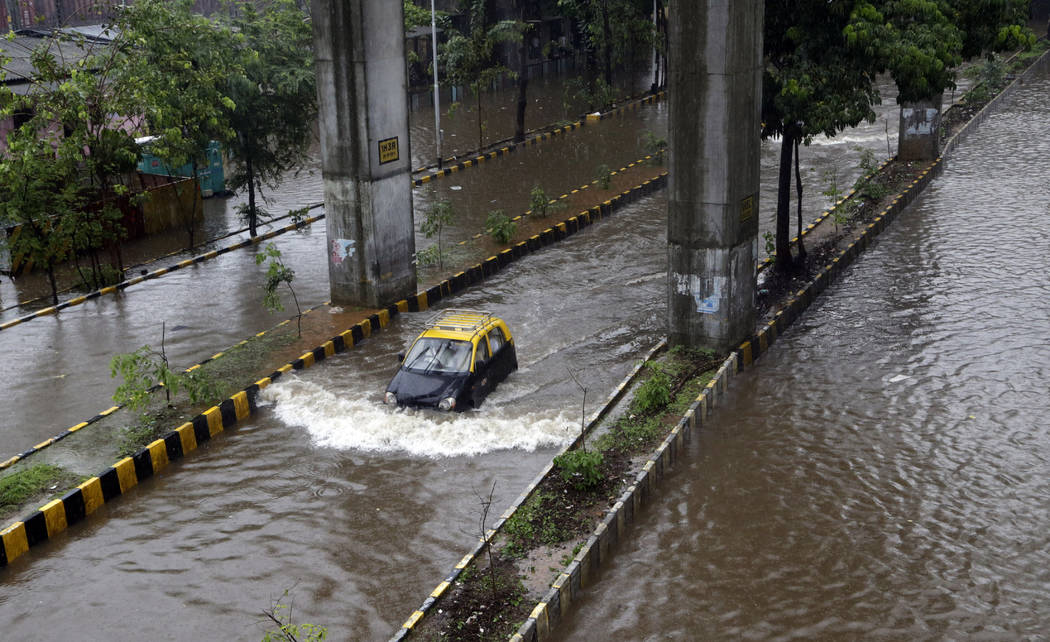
(181, 63)
(815, 82)
(276, 274)
(921, 42)
(613, 30)
(274, 90)
(81, 99)
(437, 217)
(38, 200)
(470, 59)
(991, 25)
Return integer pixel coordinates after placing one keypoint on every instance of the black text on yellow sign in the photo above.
(747, 208)
(388, 150)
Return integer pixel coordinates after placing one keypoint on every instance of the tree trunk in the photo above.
(481, 131)
(252, 216)
(798, 189)
(607, 48)
(783, 243)
(53, 283)
(523, 86)
(191, 222)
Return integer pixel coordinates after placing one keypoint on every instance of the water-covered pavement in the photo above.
(883, 471)
(62, 376)
(354, 507)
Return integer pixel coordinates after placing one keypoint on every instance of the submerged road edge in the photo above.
(565, 591)
(58, 515)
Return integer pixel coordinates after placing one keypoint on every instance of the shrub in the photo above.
(500, 227)
(541, 204)
(654, 393)
(603, 176)
(581, 468)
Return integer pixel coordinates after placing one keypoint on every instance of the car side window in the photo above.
(482, 354)
(496, 340)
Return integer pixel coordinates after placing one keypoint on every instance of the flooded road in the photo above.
(884, 471)
(63, 372)
(357, 509)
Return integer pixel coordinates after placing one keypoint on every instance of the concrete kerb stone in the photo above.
(17, 538)
(665, 454)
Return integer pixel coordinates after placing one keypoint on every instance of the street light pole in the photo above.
(437, 98)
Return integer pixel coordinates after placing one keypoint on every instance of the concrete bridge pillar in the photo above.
(714, 98)
(920, 124)
(365, 160)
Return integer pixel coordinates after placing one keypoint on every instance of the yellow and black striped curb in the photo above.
(769, 260)
(586, 186)
(56, 516)
(614, 397)
(458, 165)
(109, 411)
(112, 289)
(165, 256)
(632, 106)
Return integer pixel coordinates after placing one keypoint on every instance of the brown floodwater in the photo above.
(884, 471)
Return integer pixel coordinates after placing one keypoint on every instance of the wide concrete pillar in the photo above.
(361, 87)
(920, 124)
(714, 98)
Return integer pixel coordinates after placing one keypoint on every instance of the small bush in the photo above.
(654, 393)
(653, 144)
(499, 227)
(541, 204)
(429, 256)
(581, 468)
(603, 176)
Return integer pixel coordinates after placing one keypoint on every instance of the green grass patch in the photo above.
(228, 371)
(40, 480)
(534, 524)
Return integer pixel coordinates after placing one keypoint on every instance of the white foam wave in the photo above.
(355, 422)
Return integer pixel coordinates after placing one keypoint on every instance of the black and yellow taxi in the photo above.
(455, 362)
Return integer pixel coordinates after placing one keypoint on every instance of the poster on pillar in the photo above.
(706, 291)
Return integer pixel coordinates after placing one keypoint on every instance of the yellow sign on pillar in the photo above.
(388, 150)
(747, 208)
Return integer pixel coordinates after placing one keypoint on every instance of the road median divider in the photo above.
(119, 287)
(508, 147)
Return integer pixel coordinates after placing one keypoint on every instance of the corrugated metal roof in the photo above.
(19, 51)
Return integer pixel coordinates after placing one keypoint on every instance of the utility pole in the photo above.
(437, 98)
(714, 98)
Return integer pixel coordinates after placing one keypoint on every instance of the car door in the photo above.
(483, 379)
(501, 357)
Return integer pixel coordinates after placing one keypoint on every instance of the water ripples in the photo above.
(900, 488)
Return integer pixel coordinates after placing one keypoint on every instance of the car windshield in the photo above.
(439, 355)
